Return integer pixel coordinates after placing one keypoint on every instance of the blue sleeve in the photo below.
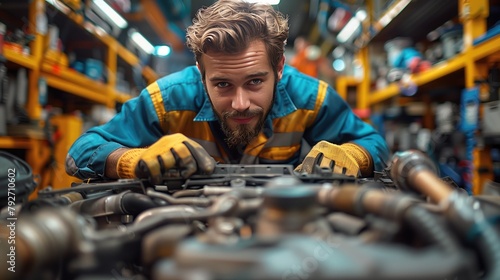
(336, 123)
(136, 125)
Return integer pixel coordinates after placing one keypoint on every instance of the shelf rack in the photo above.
(415, 19)
(440, 70)
(66, 80)
(19, 58)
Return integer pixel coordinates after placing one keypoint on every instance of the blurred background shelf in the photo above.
(407, 18)
(18, 57)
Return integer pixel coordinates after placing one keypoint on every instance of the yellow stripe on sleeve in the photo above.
(157, 99)
(319, 100)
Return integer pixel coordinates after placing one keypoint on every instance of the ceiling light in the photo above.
(361, 15)
(111, 13)
(162, 51)
(338, 65)
(349, 29)
(338, 52)
(141, 42)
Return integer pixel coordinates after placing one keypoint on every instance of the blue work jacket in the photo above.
(305, 110)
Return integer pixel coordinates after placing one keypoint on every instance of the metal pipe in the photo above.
(43, 239)
(194, 201)
(102, 206)
(166, 212)
(183, 193)
(412, 170)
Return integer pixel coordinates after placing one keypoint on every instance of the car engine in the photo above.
(260, 222)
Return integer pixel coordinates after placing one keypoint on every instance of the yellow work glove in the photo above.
(348, 159)
(170, 151)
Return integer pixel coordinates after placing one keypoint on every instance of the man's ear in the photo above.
(280, 67)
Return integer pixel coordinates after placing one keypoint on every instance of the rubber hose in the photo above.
(430, 228)
(136, 203)
(488, 244)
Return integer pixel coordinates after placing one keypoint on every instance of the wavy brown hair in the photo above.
(231, 25)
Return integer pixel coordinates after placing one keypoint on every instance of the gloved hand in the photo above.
(170, 151)
(343, 159)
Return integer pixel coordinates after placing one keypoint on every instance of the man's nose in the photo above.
(241, 100)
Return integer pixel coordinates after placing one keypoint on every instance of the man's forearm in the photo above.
(112, 162)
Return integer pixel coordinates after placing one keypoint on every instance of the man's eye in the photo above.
(222, 84)
(255, 81)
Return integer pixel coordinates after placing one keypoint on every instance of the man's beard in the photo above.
(243, 133)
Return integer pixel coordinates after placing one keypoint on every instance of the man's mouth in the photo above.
(242, 120)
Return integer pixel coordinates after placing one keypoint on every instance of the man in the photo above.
(239, 104)
(308, 60)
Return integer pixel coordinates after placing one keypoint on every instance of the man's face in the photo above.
(241, 89)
